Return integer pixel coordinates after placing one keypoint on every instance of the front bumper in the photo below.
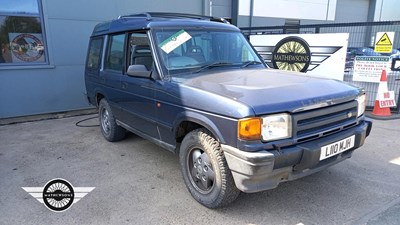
(263, 170)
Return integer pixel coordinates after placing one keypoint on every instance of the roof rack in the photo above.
(151, 15)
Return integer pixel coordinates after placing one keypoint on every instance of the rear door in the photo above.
(112, 72)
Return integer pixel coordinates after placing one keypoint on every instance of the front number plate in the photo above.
(336, 148)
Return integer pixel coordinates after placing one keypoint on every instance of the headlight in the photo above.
(278, 126)
(362, 99)
(268, 128)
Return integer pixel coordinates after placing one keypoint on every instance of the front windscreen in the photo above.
(184, 52)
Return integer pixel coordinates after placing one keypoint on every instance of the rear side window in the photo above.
(93, 61)
(115, 53)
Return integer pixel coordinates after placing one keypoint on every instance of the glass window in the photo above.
(19, 6)
(140, 52)
(191, 51)
(21, 34)
(93, 61)
(115, 53)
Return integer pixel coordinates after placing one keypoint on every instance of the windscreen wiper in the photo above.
(214, 64)
(245, 64)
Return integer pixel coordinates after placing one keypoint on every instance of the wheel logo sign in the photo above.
(294, 54)
(291, 53)
(58, 194)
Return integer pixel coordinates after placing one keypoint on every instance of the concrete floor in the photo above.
(139, 183)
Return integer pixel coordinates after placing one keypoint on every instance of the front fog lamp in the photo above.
(276, 127)
(362, 102)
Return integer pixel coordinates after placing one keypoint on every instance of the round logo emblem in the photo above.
(291, 53)
(349, 114)
(27, 47)
(58, 195)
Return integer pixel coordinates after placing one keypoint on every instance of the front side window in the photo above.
(21, 33)
(190, 51)
(139, 50)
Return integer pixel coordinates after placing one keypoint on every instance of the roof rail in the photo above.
(150, 15)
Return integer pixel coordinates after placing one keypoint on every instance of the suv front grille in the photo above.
(318, 123)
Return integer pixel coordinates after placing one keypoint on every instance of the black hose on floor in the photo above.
(78, 124)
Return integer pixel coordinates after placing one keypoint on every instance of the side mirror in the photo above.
(138, 71)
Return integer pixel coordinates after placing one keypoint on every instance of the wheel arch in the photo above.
(98, 96)
(188, 121)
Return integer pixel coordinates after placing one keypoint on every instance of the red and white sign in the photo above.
(386, 99)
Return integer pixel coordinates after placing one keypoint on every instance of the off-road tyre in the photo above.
(215, 191)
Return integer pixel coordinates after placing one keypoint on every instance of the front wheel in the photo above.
(205, 171)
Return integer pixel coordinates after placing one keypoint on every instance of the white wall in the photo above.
(346, 11)
(221, 8)
(294, 9)
(352, 11)
(387, 10)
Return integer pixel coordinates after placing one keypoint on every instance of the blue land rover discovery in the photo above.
(195, 86)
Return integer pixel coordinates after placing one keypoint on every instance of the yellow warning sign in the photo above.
(384, 40)
(384, 43)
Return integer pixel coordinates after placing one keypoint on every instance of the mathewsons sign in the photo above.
(319, 55)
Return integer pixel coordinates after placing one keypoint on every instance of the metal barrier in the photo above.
(361, 35)
(371, 89)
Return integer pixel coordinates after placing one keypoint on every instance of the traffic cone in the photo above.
(383, 88)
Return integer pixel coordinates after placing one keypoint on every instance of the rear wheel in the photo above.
(109, 128)
(205, 171)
